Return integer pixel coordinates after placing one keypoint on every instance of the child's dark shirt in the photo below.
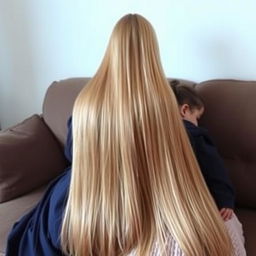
(212, 166)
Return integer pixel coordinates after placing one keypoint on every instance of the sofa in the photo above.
(31, 152)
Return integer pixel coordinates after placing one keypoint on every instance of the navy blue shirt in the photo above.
(211, 165)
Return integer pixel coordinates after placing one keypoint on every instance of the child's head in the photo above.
(190, 103)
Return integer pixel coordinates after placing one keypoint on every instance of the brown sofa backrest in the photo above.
(58, 104)
(230, 117)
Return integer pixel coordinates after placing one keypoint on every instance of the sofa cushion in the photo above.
(30, 156)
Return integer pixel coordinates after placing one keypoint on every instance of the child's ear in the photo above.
(183, 110)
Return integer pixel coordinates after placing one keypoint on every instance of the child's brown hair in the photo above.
(186, 95)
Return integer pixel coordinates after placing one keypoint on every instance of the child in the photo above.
(215, 174)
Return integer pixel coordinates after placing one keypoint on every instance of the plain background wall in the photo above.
(46, 40)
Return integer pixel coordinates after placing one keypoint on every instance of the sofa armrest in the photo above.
(30, 156)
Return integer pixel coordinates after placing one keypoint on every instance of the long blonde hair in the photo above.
(135, 180)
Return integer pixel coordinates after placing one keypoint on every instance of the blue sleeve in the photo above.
(69, 142)
(37, 233)
(214, 171)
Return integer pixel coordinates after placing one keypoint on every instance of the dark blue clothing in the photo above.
(212, 166)
(69, 142)
(37, 233)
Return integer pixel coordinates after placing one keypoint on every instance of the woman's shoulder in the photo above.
(58, 194)
(52, 205)
(60, 185)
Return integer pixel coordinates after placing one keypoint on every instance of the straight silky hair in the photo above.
(135, 181)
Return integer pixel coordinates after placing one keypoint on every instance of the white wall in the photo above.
(46, 40)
